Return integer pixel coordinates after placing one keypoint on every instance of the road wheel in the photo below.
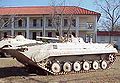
(95, 65)
(77, 66)
(67, 67)
(104, 64)
(86, 66)
(56, 67)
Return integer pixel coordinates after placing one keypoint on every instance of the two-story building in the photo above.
(47, 20)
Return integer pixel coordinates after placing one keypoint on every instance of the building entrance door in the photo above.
(5, 35)
(34, 35)
(49, 34)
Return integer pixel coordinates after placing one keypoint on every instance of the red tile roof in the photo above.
(107, 33)
(46, 10)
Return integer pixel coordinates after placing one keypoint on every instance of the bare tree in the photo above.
(111, 14)
(57, 17)
(6, 20)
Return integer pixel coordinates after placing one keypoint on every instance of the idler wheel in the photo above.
(67, 67)
(77, 66)
(95, 65)
(104, 64)
(86, 65)
(56, 67)
(112, 57)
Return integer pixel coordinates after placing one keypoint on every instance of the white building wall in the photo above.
(105, 39)
(27, 29)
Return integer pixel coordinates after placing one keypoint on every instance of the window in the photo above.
(20, 23)
(19, 33)
(34, 35)
(90, 25)
(65, 22)
(57, 21)
(34, 22)
(40, 33)
(49, 22)
(49, 34)
(25, 34)
(6, 22)
(5, 35)
(41, 22)
(57, 33)
(25, 22)
(74, 22)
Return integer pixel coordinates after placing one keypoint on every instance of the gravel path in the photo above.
(12, 71)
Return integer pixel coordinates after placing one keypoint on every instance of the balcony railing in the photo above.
(82, 26)
(86, 26)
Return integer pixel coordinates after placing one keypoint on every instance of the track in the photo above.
(62, 72)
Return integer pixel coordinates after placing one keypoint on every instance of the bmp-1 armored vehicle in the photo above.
(18, 41)
(67, 56)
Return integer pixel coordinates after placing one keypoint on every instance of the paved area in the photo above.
(12, 71)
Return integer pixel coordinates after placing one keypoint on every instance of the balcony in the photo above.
(36, 28)
(82, 26)
(86, 26)
(34, 25)
(19, 28)
(68, 27)
(50, 28)
(6, 27)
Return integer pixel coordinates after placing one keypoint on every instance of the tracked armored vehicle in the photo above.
(70, 55)
(18, 41)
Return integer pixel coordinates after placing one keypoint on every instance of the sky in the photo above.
(87, 4)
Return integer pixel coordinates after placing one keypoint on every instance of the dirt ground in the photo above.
(12, 71)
